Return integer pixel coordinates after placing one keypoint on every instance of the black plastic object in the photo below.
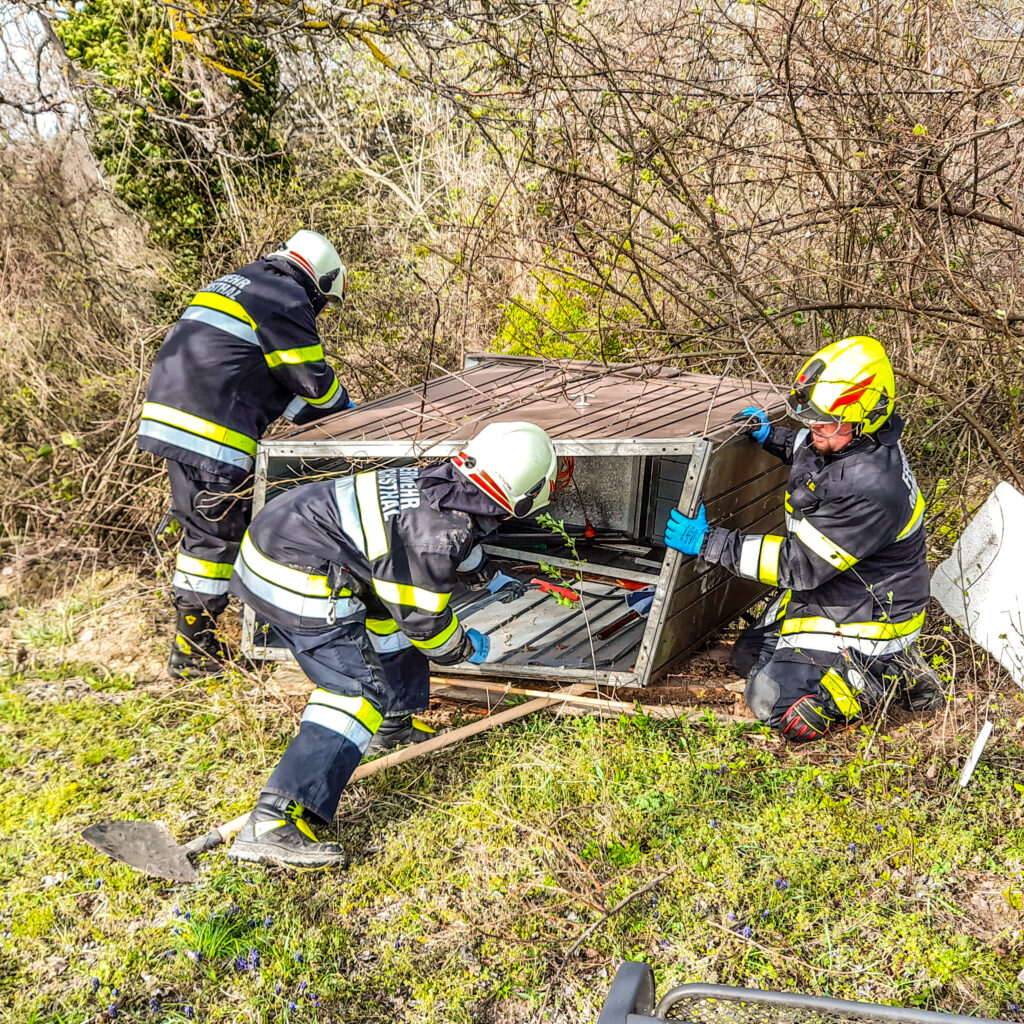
(632, 992)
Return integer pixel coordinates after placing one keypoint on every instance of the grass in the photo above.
(485, 881)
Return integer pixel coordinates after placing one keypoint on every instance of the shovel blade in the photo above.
(144, 845)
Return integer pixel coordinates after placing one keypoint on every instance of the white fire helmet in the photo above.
(314, 254)
(512, 463)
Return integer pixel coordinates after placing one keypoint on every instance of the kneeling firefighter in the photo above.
(360, 566)
(840, 639)
(244, 352)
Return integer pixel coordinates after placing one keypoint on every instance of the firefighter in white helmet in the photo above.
(359, 567)
(840, 639)
(245, 352)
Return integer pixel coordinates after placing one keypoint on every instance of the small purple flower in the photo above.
(730, 916)
(298, 958)
(746, 931)
(115, 992)
(713, 823)
(175, 930)
(878, 826)
(188, 915)
(194, 954)
(267, 922)
(292, 1006)
(96, 883)
(241, 964)
(664, 943)
(189, 1012)
(254, 959)
(277, 988)
(154, 1005)
(765, 913)
(112, 1011)
(781, 884)
(303, 985)
(398, 942)
(315, 1000)
(233, 909)
(176, 911)
(95, 984)
(852, 849)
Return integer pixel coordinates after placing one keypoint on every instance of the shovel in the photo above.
(148, 847)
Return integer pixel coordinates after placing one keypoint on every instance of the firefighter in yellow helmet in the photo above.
(840, 638)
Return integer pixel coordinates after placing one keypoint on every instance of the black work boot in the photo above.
(922, 687)
(196, 651)
(396, 732)
(276, 833)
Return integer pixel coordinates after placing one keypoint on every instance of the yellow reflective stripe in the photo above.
(303, 826)
(841, 692)
(415, 597)
(294, 356)
(436, 641)
(382, 627)
(865, 630)
(211, 300)
(357, 707)
(324, 399)
(788, 503)
(200, 567)
(370, 515)
(914, 517)
(200, 427)
(309, 584)
(814, 540)
(768, 563)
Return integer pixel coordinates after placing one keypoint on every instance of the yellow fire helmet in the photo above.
(849, 381)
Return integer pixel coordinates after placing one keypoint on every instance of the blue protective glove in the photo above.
(351, 404)
(684, 534)
(481, 646)
(756, 421)
(513, 588)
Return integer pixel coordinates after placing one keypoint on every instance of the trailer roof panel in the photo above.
(571, 400)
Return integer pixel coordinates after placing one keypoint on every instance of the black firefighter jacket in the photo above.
(373, 544)
(853, 560)
(243, 353)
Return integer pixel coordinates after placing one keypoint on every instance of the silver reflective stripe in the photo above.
(222, 322)
(294, 407)
(295, 604)
(790, 522)
(472, 560)
(199, 584)
(339, 722)
(388, 644)
(348, 511)
(801, 436)
(451, 644)
(834, 644)
(192, 443)
(750, 554)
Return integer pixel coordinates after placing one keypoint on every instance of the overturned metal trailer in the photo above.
(633, 443)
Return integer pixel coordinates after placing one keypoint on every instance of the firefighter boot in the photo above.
(396, 732)
(922, 687)
(276, 833)
(196, 651)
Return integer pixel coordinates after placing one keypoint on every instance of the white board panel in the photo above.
(981, 584)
